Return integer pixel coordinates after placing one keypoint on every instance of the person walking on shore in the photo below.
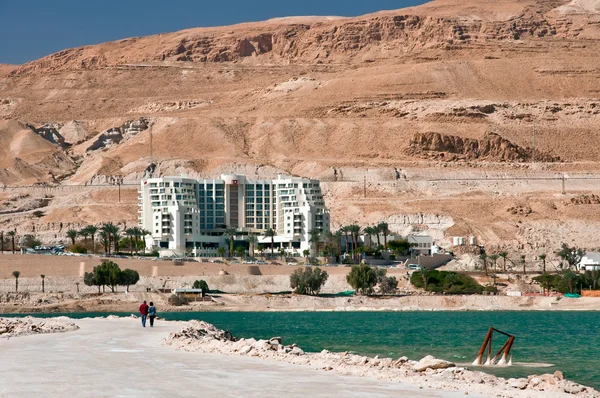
(144, 312)
(151, 313)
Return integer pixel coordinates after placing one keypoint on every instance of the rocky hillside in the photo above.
(413, 100)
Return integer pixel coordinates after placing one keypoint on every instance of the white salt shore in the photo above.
(119, 358)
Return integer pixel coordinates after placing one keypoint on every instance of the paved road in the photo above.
(118, 358)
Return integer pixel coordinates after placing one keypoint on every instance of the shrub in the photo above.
(77, 248)
(38, 213)
(446, 282)
(388, 284)
(177, 300)
(362, 278)
(308, 280)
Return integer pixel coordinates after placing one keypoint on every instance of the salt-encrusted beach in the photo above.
(117, 357)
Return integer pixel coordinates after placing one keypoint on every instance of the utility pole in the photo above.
(563, 185)
(151, 123)
(533, 149)
(365, 186)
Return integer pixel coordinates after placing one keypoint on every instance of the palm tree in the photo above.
(338, 241)
(231, 233)
(370, 231)
(143, 233)
(315, 237)
(12, 238)
(282, 252)
(483, 256)
(523, 262)
(384, 229)
(91, 231)
(543, 258)
(354, 230)
(105, 239)
(16, 274)
(72, 234)
(377, 232)
(252, 241)
(503, 255)
(345, 231)
(221, 251)
(43, 279)
(494, 258)
(111, 235)
(84, 234)
(271, 234)
(130, 232)
(240, 251)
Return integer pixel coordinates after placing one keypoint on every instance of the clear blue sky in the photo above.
(30, 29)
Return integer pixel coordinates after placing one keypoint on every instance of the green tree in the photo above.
(231, 233)
(568, 281)
(524, 264)
(543, 258)
(108, 274)
(92, 230)
(306, 253)
(270, 233)
(370, 231)
(424, 273)
(12, 235)
(572, 255)
(483, 257)
(315, 239)
(130, 233)
(221, 251)
(16, 274)
(503, 255)
(240, 251)
(128, 277)
(388, 284)
(308, 280)
(72, 234)
(89, 279)
(282, 253)
(400, 246)
(43, 282)
(84, 234)
(494, 259)
(362, 278)
(201, 284)
(546, 281)
(252, 241)
(385, 231)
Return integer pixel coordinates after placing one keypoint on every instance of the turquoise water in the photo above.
(569, 340)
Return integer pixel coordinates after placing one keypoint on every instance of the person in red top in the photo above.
(144, 312)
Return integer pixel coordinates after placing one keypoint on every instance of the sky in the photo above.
(31, 29)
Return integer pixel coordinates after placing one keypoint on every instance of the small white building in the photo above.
(590, 262)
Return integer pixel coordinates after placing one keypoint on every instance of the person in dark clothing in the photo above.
(151, 313)
(144, 312)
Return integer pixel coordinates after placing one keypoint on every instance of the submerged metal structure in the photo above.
(504, 350)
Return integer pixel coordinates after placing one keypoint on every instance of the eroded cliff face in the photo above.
(346, 39)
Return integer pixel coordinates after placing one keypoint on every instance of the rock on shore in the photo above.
(428, 372)
(29, 325)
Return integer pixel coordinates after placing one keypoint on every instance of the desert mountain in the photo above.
(443, 108)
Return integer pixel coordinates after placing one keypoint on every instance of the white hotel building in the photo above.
(187, 215)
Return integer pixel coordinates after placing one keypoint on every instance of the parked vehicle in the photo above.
(414, 267)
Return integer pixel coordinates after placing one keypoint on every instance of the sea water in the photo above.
(569, 341)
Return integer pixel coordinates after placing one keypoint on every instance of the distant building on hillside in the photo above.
(186, 215)
(590, 262)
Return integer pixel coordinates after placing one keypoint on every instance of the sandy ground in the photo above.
(116, 357)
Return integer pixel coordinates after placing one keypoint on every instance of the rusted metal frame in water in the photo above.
(487, 343)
